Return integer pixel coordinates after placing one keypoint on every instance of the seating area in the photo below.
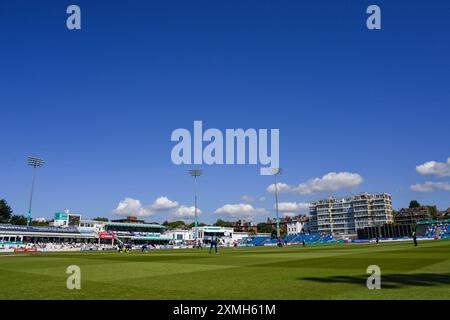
(271, 242)
(259, 241)
(438, 230)
(53, 246)
(314, 238)
(327, 238)
(309, 238)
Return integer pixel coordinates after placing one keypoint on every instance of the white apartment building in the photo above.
(179, 236)
(227, 235)
(296, 227)
(346, 215)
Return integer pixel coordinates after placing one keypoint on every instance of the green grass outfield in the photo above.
(314, 272)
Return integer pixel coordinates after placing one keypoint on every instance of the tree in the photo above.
(39, 223)
(5, 211)
(251, 232)
(264, 227)
(174, 224)
(433, 211)
(414, 204)
(200, 224)
(18, 220)
(101, 219)
(223, 223)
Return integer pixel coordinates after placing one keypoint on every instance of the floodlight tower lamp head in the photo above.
(195, 172)
(276, 171)
(35, 162)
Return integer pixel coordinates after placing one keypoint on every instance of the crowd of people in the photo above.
(60, 246)
(438, 230)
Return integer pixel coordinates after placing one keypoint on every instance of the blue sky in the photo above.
(99, 104)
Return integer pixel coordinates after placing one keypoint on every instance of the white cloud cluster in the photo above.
(431, 186)
(163, 203)
(293, 207)
(289, 214)
(247, 198)
(332, 181)
(184, 213)
(134, 207)
(240, 211)
(282, 188)
(441, 169)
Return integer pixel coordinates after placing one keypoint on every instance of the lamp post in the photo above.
(195, 173)
(35, 163)
(276, 172)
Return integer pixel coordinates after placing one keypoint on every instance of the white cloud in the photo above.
(289, 214)
(240, 211)
(184, 213)
(441, 169)
(40, 219)
(293, 207)
(163, 203)
(262, 199)
(247, 198)
(132, 207)
(332, 181)
(282, 188)
(431, 186)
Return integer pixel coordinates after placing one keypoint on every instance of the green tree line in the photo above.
(8, 217)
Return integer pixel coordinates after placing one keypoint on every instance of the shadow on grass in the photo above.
(390, 281)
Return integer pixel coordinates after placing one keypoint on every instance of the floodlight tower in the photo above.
(35, 163)
(276, 172)
(195, 173)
